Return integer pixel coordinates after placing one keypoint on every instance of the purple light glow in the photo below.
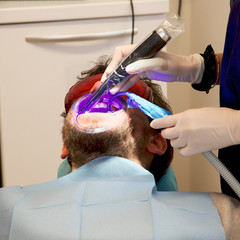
(107, 103)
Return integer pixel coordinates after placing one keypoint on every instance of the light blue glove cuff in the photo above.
(167, 182)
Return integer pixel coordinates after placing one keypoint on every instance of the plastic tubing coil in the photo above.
(223, 171)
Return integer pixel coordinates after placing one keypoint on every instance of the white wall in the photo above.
(205, 23)
(30, 112)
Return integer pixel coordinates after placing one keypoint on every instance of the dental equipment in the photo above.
(150, 109)
(113, 105)
(109, 104)
(169, 29)
(116, 104)
(154, 112)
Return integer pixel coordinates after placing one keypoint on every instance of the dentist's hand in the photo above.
(200, 130)
(164, 66)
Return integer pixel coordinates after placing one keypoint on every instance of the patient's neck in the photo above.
(132, 158)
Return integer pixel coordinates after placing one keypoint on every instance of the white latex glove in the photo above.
(200, 130)
(164, 66)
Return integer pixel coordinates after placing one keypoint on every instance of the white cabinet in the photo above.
(35, 77)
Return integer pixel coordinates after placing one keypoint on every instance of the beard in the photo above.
(84, 147)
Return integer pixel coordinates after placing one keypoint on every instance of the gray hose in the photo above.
(223, 171)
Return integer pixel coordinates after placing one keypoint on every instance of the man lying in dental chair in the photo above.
(118, 184)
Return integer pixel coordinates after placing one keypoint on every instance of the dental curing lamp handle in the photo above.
(170, 28)
(146, 49)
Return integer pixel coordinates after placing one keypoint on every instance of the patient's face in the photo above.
(126, 138)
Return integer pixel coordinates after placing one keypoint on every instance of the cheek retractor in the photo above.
(99, 118)
(107, 111)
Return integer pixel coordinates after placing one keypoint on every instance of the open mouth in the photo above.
(102, 116)
(107, 103)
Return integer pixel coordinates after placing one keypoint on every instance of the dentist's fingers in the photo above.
(119, 54)
(170, 130)
(165, 122)
(125, 84)
(178, 143)
(184, 151)
(170, 133)
(147, 64)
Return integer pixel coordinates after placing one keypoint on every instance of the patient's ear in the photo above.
(64, 152)
(157, 144)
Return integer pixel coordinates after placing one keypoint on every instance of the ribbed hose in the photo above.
(223, 171)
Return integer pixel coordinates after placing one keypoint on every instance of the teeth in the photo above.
(100, 105)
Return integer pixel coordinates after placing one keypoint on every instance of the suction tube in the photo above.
(223, 171)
